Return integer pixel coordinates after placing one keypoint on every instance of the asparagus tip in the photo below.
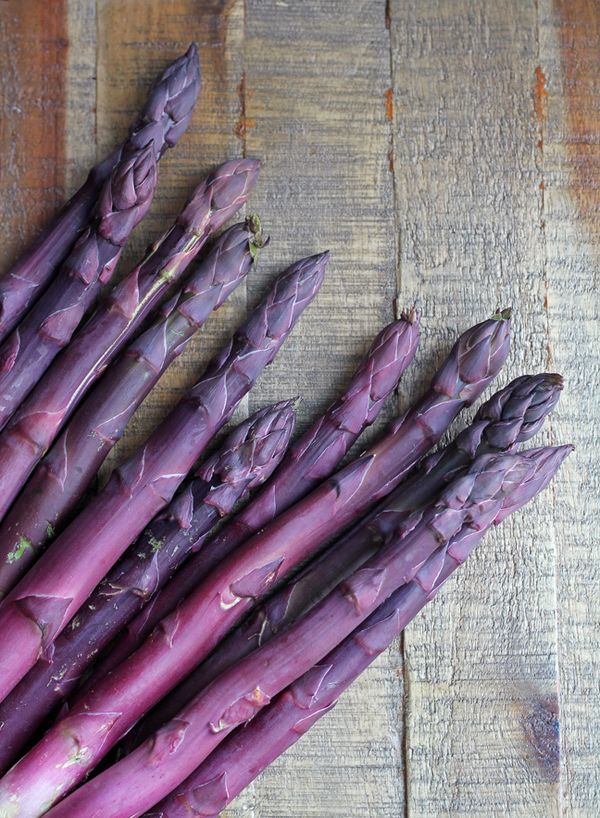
(411, 315)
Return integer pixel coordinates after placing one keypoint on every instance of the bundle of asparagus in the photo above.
(130, 619)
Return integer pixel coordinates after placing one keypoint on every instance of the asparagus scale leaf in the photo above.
(511, 416)
(49, 325)
(163, 121)
(245, 460)
(138, 781)
(310, 460)
(64, 474)
(41, 605)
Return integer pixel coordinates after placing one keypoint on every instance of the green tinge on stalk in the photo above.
(245, 460)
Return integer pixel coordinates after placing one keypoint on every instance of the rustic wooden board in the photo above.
(481, 663)
(33, 53)
(446, 152)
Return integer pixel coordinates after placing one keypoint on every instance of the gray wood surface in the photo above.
(447, 152)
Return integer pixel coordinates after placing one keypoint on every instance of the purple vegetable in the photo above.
(245, 460)
(313, 457)
(163, 120)
(63, 476)
(41, 605)
(178, 644)
(141, 779)
(35, 425)
(48, 326)
(296, 535)
(251, 748)
(511, 416)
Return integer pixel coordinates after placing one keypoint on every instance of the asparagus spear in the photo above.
(251, 748)
(163, 121)
(295, 536)
(245, 460)
(47, 328)
(323, 446)
(149, 773)
(35, 425)
(41, 605)
(62, 477)
(511, 416)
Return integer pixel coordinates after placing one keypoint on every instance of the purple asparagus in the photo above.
(296, 535)
(29, 350)
(41, 605)
(149, 773)
(313, 457)
(245, 460)
(35, 425)
(163, 121)
(511, 416)
(251, 748)
(63, 476)
(219, 602)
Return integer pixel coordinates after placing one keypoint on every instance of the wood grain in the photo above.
(570, 54)
(33, 52)
(445, 151)
(481, 727)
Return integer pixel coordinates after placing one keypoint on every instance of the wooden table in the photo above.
(448, 153)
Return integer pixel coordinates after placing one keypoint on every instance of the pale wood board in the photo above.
(481, 668)
(445, 151)
(570, 59)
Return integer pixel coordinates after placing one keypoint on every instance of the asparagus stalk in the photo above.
(251, 748)
(296, 535)
(62, 477)
(35, 425)
(149, 773)
(163, 121)
(511, 416)
(315, 455)
(29, 350)
(245, 460)
(41, 605)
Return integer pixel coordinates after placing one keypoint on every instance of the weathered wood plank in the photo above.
(33, 52)
(80, 93)
(136, 39)
(316, 76)
(481, 662)
(570, 59)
